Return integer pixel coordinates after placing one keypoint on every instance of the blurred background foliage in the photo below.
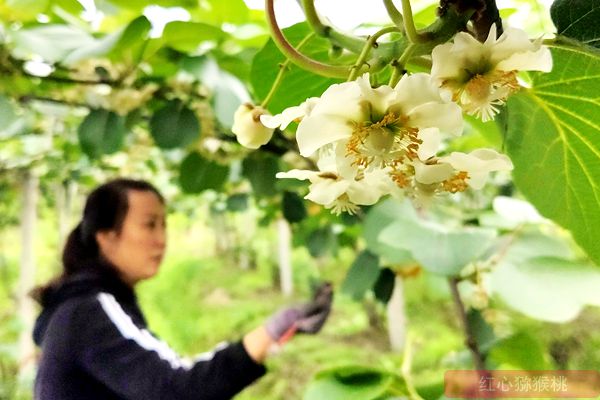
(91, 90)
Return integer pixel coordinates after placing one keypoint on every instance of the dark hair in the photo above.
(105, 209)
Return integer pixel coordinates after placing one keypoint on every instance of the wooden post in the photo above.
(396, 312)
(26, 309)
(284, 256)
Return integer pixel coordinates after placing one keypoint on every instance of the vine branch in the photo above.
(394, 14)
(470, 339)
(283, 67)
(409, 25)
(332, 71)
(371, 43)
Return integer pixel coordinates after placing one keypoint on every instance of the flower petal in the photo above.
(319, 130)
(288, 115)
(540, 60)
(378, 98)
(431, 143)
(301, 174)
(428, 174)
(413, 91)
(325, 191)
(445, 116)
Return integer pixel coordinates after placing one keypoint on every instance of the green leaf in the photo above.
(98, 48)
(11, 124)
(228, 91)
(293, 207)
(237, 202)
(218, 11)
(482, 331)
(577, 20)
(73, 7)
(384, 286)
(51, 42)
(349, 383)
(439, 249)
(362, 275)
(547, 288)
(321, 241)
(22, 10)
(101, 132)
(554, 142)
(519, 351)
(378, 218)
(297, 84)
(260, 169)
(139, 5)
(197, 174)
(174, 125)
(187, 36)
(132, 42)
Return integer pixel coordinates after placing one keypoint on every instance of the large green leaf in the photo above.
(98, 48)
(260, 169)
(554, 142)
(197, 174)
(22, 10)
(187, 36)
(362, 275)
(297, 84)
(228, 92)
(351, 383)
(174, 125)
(132, 42)
(293, 207)
(384, 286)
(577, 20)
(139, 5)
(218, 11)
(51, 42)
(539, 275)
(380, 217)
(321, 241)
(101, 132)
(519, 351)
(439, 249)
(127, 43)
(547, 288)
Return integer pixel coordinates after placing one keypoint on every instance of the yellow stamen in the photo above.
(456, 183)
(388, 142)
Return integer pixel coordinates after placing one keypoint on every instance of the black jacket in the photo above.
(95, 345)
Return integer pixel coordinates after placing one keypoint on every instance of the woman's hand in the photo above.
(305, 318)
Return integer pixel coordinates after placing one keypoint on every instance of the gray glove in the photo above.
(305, 318)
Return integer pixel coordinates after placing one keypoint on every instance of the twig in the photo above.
(470, 339)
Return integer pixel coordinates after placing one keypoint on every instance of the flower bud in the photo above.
(248, 129)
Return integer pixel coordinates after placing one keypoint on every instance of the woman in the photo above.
(94, 339)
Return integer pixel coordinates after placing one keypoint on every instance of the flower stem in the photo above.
(400, 64)
(371, 43)
(394, 14)
(283, 67)
(470, 339)
(310, 12)
(409, 25)
(353, 43)
(406, 367)
(304, 62)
